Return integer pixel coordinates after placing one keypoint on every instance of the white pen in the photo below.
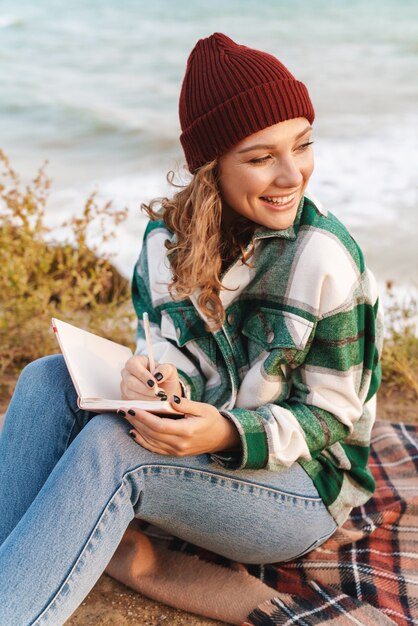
(150, 350)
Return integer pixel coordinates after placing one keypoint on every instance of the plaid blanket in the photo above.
(367, 573)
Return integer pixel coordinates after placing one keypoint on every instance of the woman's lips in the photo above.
(280, 203)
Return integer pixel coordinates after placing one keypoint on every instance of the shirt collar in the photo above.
(288, 233)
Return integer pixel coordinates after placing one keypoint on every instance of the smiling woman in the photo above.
(266, 330)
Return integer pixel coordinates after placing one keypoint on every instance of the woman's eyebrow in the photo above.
(268, 146)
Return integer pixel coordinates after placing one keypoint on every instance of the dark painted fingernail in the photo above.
(132, 434)
(131, 412)
(158, 376)
(160, 394)
(150, 383)
(176, 399)
(120, 412)
(163, 398)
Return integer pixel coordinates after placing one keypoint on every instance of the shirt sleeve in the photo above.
(165, 350)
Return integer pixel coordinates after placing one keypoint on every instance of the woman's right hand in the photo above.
(139, 384)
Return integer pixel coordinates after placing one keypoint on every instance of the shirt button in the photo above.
(230, 319)
(178, 333)
(270, 337)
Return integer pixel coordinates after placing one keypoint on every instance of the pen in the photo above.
(149, 342)
(150, 350)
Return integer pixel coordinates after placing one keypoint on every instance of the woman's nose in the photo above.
(287, 173)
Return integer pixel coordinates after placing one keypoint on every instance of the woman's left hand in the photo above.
(203, 430)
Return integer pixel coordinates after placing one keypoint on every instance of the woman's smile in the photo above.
(280, 203)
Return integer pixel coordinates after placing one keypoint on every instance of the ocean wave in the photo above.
(369, 177)
(83, 117)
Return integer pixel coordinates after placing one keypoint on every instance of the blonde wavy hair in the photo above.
(203, 247)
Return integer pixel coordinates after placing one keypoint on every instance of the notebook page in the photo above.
(95, 363)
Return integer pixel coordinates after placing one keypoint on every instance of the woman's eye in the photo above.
(304, 146)
(260, 159)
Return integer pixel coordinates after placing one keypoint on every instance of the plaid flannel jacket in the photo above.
(295, 366)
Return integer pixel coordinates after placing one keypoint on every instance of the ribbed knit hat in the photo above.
(229, 92)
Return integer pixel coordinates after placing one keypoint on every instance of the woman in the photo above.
(267, 335)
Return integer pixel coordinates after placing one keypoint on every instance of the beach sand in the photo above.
(112, 604)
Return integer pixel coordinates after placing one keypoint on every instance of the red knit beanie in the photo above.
(231, 91)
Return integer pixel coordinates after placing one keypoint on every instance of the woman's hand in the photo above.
(203, 430)
(138, 383)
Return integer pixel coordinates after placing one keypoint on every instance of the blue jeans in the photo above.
(71, 481)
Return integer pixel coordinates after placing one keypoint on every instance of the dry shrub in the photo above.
(41, 278)
(400, 351)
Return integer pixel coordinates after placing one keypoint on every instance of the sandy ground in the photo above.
(112, 604)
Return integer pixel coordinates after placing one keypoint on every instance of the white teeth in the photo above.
(283, 200)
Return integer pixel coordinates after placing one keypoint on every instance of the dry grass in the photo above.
(41, 278)
(400, 351)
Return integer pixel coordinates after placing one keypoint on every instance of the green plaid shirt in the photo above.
(295, 365)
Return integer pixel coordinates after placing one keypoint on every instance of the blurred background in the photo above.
(93, 88)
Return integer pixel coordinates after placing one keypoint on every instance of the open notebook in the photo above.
(95, 366)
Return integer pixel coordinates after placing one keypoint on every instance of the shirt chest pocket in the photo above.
(282, 334)
(183, 327)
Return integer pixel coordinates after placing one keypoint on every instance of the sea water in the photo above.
(92, 86)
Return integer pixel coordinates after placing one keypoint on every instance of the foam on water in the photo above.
(124, 192)
(371, 178)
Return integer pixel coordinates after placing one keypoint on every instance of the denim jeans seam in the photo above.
(75, 425)
(50, 606)
(316, 544)
(290, 496)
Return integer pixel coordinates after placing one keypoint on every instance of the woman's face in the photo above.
(265, 175)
